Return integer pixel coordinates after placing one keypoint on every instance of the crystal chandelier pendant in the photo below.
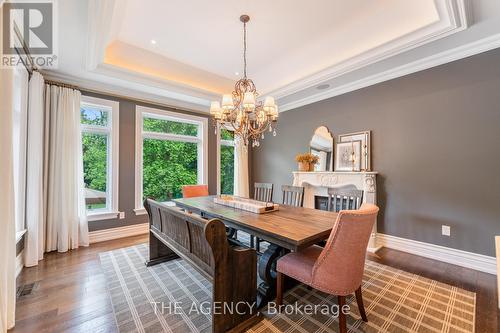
(241, 110)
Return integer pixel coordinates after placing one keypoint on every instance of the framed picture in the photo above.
(348, 156)
(365, 138)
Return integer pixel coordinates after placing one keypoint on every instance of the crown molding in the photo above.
(100, 14)
(480, 46)
(131, 90)
(454, 16)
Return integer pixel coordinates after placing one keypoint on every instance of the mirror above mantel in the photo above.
(321, 145)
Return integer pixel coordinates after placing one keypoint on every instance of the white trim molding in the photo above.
(497, 243)
(120, 232)
(201, 139)
(112, 131)
(454, 16)
(466, 259)
(19, 263)
(464, 51)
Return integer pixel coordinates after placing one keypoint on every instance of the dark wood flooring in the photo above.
(70, 294)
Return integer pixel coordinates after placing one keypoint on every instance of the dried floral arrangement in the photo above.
(307, 158)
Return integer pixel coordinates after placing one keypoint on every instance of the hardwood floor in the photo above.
(70, 290)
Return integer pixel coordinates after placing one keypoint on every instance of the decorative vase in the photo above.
(304, 166)
(311, 166)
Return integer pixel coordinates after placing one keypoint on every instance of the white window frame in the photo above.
(20, 129)
(220, 143)
(112, 165)
(201, 139)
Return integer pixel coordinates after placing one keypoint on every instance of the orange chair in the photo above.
(190, 191)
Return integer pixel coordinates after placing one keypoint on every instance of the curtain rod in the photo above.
(60, 84)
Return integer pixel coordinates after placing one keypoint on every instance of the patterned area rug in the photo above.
(162, 298)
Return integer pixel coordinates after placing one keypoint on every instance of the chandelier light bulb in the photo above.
(249, 101)
(269, 104)
(227, 102)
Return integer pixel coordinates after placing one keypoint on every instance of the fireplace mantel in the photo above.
(317, 183)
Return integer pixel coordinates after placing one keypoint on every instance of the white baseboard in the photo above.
(116, 233)
(466, 259)
(497, 242)
(19, 263)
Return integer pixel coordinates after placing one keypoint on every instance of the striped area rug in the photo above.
(162, 298)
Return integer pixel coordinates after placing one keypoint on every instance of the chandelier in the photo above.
(240, 110)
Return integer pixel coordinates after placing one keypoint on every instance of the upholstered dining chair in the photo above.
(336, 269)
(191, 191)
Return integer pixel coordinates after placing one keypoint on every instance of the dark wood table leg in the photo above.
(158, 252)
(267, 273)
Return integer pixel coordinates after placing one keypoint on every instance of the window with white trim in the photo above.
(100, 133)
(170, 152)
(19, 132)
(226, 161)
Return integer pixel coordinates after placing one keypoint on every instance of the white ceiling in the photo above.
(287, 39)
(293, 45)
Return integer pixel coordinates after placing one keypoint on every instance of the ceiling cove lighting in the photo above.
(240, 111)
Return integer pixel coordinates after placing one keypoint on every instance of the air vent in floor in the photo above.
(26, 290)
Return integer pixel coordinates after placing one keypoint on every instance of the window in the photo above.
(99, 123)
(226, 162)
(20, 117)
(170, 152)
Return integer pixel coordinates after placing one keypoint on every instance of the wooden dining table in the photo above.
(287, 229)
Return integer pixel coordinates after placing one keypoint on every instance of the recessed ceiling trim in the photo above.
(461, 52)
(454, 17)
(98, 31)
(175, 88)
(132, 90)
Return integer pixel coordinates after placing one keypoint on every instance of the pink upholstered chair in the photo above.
(191, 191)
(337, 268)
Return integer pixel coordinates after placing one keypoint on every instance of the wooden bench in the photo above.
(232, 270)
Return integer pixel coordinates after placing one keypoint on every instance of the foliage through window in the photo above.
(171, 155)
(226, 161)
(96, 137)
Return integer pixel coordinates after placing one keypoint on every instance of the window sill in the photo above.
(102, 216)
(142, 210)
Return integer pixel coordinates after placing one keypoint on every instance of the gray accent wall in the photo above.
(126, 198)
(435, 144)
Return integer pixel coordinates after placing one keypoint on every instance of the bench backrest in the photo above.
(201, 241)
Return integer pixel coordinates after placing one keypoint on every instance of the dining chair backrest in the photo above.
(344, 199)
(340, 266)
(293, 195)
(191, 191)
(263, 192)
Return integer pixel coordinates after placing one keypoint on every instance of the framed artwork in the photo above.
(348, 156)
(365, 138)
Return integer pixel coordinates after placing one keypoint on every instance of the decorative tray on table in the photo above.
(250, 205)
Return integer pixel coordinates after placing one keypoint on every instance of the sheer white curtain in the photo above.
(66, 224)
(34, 239)
(7, 203)
(241, 182)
